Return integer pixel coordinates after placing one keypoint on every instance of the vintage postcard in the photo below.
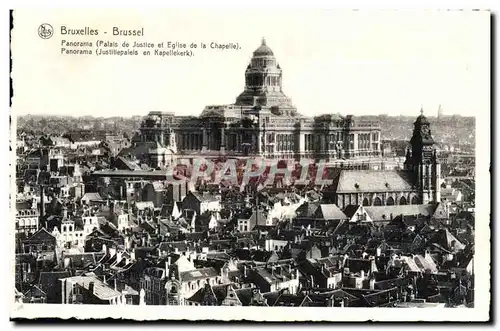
(277, 165)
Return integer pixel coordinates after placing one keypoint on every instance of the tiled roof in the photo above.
(350, 210)
(40, 235)
(381, 213)
(330, 212)
(245, 295)
(50, 279)
(92, 196)
(410, 263)
(207, 197)
(373, 181)
(264, 274)
(426, 263)
(198, 274)
(101, 290)
(446, 240)
(81, 260)
(172, 245)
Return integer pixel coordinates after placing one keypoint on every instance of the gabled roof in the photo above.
(425, 263)
(51, 279)
(351, 210)
(307, 209)
(440, 211)
(41, 234)
(201, 273)
(124, 164)
(330, 212)
(448, 241)
(101, 290)
(92, 196)
(383, 213)
(245, 295)
(373, 181)
(35, 291)
(204, 197)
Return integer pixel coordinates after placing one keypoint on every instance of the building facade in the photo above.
(262, 122)
(418, 183)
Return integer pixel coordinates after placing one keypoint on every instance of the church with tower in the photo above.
(418, 183)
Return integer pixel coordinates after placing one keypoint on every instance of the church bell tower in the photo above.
(423, 162)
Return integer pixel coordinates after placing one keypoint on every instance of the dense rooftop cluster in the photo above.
(95, 227)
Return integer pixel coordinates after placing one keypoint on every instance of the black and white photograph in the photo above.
(259, 165)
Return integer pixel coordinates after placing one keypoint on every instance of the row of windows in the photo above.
(27, 222)
(331, 141)
(192, 141)
(285, 142)
(364, 141)
(27, 212)
(390, 201)
(263, 62)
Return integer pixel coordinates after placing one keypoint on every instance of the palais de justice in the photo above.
(262, 122)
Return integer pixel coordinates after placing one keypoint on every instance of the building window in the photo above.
(390, 201)
(377, 202)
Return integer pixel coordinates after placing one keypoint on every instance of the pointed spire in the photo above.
(421, 109)
(263, 41)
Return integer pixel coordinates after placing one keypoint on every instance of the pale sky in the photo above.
(349, 62)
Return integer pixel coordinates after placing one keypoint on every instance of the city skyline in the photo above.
(323, 72)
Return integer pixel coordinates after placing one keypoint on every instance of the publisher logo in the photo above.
(45, 31)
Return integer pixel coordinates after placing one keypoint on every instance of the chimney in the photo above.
(91, 288)
(372, 283)
(132, 255)
(312, 281)
(42, 202)
(379, 251)
(362, 274)
(245, 271)
(67, 261)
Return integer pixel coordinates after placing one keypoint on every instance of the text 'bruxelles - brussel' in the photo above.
(88, 31)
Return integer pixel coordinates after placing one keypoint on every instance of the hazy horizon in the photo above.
(138, 115)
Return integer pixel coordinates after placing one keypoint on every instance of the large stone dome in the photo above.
(263, 50)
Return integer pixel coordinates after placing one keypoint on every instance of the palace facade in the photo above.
(262, 122)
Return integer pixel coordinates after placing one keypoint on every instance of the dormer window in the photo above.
(356, 185)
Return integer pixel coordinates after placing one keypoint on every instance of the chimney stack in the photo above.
(91, 288)
(42, 202)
